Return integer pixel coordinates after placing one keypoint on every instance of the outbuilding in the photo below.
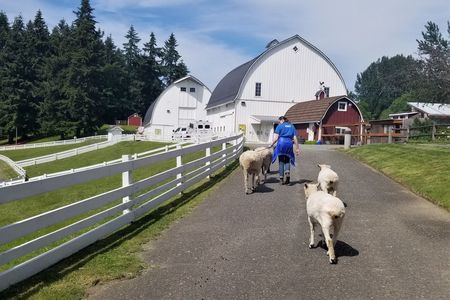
(135, 120)
(115, 133)
(327, 119)
(253, 95)
(180, 104)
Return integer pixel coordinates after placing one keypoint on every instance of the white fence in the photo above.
(122, 214)
(18, 169)
(54, 143)
(63, 154)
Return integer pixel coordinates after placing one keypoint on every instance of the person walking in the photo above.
(285, 138)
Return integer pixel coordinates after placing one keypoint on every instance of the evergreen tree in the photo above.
(133, 64)
(54, 116)
(83, 75)
(434, 50)
(37, 50)
(151, 73)
(114, 83)
(173, 67)
(4, 36)
(16, 105)
(4, 29)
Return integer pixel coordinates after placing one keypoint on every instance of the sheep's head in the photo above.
(310, 188)
(323, 166)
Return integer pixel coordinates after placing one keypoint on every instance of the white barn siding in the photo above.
(222, 118)
(286, 75)
(175, 108)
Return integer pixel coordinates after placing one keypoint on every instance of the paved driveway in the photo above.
(393, 244)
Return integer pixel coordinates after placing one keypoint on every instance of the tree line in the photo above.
(390, 82)
(72, 80)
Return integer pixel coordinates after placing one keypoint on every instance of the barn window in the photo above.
(295, 48)
(342, 106)
(183, 89)
(192, 90)
(258, 89)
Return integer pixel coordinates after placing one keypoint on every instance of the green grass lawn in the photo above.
(94, 157)
(6, 172)
(21, 154)
(112, 258)
(424, 169)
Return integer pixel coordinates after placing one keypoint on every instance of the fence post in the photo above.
(390, 136)
(407, 134)
(179, 164)
(433, 132)
(224, 156)
(347, 139)
(207, 154)
(126, 181)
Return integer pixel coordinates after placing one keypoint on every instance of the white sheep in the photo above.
(251, 163)
(328, 179)
(266, 154)
(326, 210)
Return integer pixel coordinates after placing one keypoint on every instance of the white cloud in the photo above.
(115, 4)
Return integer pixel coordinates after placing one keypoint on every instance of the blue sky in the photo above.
(216, 36)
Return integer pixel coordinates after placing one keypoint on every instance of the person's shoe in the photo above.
(281, 180)
(288, 180)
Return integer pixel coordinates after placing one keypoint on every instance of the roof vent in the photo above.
(272, 43)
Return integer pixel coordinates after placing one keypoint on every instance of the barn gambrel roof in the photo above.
(149, 113)
(227, 90)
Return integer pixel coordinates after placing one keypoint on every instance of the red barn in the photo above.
(135, 120)
(326, 119)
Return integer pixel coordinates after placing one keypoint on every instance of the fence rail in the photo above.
(180, 178)
(54, 143)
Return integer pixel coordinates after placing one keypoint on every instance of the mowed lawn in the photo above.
(6, 172)
(423, 168)
(94, 157)
(22, 154)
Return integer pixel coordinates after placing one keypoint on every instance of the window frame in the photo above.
(258, 88)
(183, 89)
(339, 106)
(192, 90)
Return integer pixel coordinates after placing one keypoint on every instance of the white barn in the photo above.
(181, 103)
(253, 95)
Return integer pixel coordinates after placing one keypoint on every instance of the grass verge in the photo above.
(6, 172)
(115, 257)
(22, 154)
(424, 169)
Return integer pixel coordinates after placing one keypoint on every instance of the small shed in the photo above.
(114, 133)
(327, 119)
(135, 120)
(437, 112)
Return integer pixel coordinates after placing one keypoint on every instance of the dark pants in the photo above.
(284, 164)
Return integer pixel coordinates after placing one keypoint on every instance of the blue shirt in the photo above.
(286, 129)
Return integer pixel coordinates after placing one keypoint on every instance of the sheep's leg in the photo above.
(323, 187)
(253, 181)
(335, 187)
(329, 241)
(337, 228)
(246, 182)
(311, 238)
